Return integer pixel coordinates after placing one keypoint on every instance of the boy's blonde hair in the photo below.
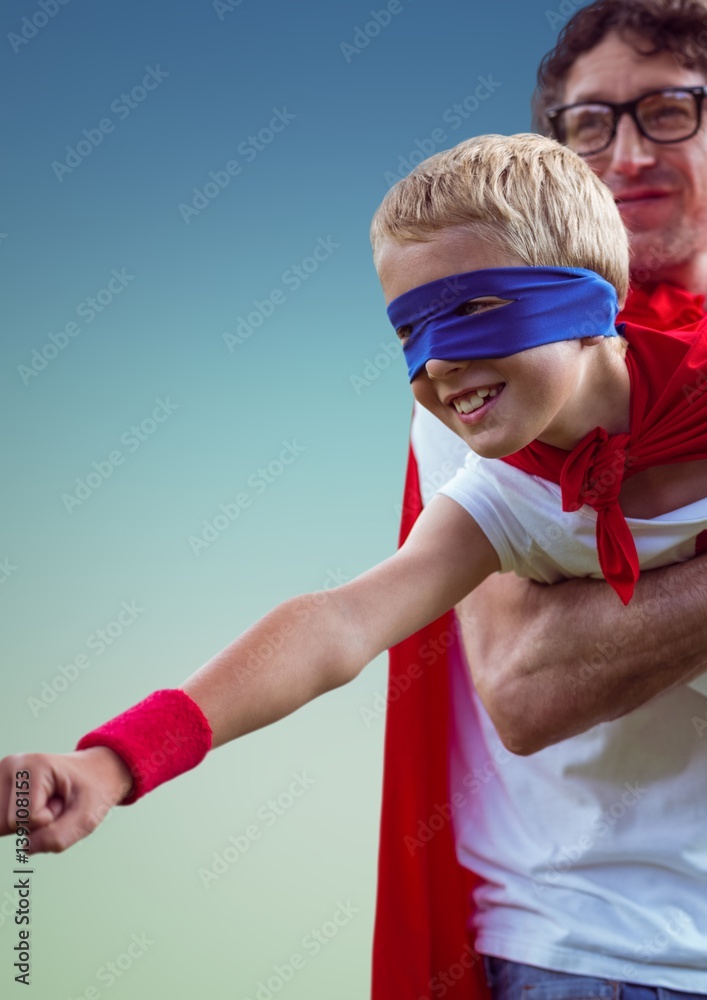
(525, 194)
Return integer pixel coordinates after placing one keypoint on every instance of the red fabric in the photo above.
(663, 307)
(162, 736)
(422, 891)
(423, 902)
(668, 372)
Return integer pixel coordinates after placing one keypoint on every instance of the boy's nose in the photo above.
(437, 368)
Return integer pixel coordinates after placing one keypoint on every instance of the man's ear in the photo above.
(591, 341)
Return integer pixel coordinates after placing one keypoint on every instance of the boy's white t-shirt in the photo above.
(593, 851)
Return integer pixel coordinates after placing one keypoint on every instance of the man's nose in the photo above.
(630, 152)
(437, 368)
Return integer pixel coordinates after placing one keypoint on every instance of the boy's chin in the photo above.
(491, 451)
(485, 447)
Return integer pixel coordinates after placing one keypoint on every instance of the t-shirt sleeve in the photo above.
(475, 488)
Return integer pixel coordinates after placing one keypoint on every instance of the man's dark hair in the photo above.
(652, 26)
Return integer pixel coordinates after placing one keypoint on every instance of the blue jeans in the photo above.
(513, 981)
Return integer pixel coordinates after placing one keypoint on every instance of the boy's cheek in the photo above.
(425, 394)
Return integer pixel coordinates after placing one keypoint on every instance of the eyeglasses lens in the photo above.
(664, 117)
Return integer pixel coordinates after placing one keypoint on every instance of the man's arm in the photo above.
(550, 662)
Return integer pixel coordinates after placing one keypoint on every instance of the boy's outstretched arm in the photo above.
(315, 642)
(337, 632)
(550, 662)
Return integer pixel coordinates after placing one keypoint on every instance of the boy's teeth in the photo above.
(474, 400)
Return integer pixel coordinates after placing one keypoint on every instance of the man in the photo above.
(566, 676)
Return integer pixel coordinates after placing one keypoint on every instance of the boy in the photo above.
(566, 397)
(453, 244)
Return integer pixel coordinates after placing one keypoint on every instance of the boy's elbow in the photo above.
(343, 650)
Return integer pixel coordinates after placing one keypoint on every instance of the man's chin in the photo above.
(655, 255)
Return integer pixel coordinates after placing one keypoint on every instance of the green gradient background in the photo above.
(333, 511)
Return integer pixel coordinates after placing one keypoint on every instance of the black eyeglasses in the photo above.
(669, 115)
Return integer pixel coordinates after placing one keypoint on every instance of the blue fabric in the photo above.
(515, 981)
(547, 304)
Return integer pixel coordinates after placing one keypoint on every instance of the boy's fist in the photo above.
(69, 794)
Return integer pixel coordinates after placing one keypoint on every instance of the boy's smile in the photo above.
(499, 405)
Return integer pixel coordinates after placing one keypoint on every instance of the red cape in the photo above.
(421, 946)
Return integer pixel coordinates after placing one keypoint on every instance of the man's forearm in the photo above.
(552, 661)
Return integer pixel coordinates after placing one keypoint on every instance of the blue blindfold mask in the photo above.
(547, 304)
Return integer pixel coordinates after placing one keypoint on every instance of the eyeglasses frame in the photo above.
(629, 108)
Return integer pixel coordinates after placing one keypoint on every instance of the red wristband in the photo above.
(159, 738)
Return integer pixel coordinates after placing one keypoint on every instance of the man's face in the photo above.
(660, 189)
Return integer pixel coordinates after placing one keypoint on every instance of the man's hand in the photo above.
(69, 794)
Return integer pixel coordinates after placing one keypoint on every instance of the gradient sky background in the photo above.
(165, 338)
